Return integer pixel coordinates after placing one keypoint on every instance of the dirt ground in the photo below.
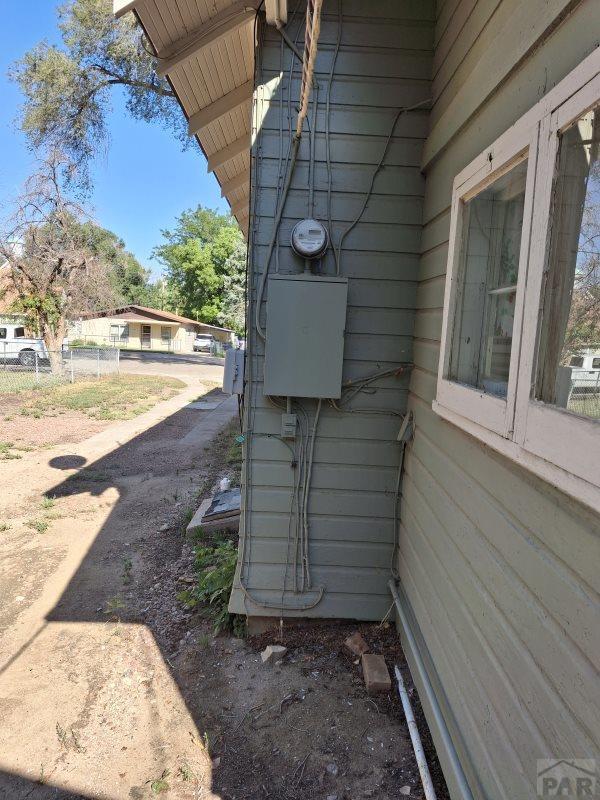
(110, 688)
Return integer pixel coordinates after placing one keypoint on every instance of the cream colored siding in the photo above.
(384, 63)
(99, 331)
(500, 570)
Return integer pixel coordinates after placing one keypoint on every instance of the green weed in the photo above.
(6, 451)
(215, 565)
(127, 568)
(159, 785)
(113, 605)
(48, 502)
(185, 772)
(39, 525)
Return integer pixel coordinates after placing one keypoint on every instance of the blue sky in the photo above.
(142, 183)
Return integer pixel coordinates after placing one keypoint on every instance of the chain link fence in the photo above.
(584, 397)
(21, 370)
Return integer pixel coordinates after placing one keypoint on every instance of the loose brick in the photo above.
(273, 653)
(375, 673)
(356, 644)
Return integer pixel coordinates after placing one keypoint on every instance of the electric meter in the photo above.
(309, 238)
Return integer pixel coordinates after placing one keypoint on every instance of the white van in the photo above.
(585, 373)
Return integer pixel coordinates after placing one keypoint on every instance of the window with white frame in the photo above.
(520, 356)
(119, 332)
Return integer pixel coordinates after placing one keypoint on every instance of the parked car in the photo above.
(15, 346)
(204, 343)
(585, 373)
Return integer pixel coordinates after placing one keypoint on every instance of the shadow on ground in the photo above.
(135, 679)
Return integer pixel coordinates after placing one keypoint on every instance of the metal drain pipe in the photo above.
(450, 752)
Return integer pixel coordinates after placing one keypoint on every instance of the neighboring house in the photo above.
(460, 256)
(8, 295)
(139, 328)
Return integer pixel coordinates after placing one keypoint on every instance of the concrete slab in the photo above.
(199, 525)
(205, 405)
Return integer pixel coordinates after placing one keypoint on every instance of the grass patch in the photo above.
(39, 525)
(14, 381)
(110, 398)
(215, 568)
(7, 451)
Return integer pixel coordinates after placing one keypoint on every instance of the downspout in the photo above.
(440, 723)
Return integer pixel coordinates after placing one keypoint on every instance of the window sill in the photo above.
(577, 488)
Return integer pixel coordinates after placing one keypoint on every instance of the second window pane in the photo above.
(487, 284)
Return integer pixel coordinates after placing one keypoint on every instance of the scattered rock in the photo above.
(356, 644)
(272, 653)
(369, 793)
(375, 673)
(405, 790)
(332, 769)
(332, 797)
(164, 528)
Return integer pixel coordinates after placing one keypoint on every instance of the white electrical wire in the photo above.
(306, 561)
(415, 738)
(376, 171)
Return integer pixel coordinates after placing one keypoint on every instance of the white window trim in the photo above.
(492, 412)
(557, 445)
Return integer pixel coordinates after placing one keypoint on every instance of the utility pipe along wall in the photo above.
(372, 60)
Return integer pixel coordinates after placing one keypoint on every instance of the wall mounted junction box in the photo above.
(304, 353)
(233, 374)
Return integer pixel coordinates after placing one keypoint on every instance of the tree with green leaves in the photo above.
(130, 281)
(204, 263)
(233, 298)
(67, 88)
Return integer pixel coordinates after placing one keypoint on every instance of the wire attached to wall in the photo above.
(376, 171)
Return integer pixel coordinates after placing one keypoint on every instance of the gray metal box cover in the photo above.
(306, 317)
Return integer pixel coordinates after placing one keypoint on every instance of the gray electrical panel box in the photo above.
(306, 317)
